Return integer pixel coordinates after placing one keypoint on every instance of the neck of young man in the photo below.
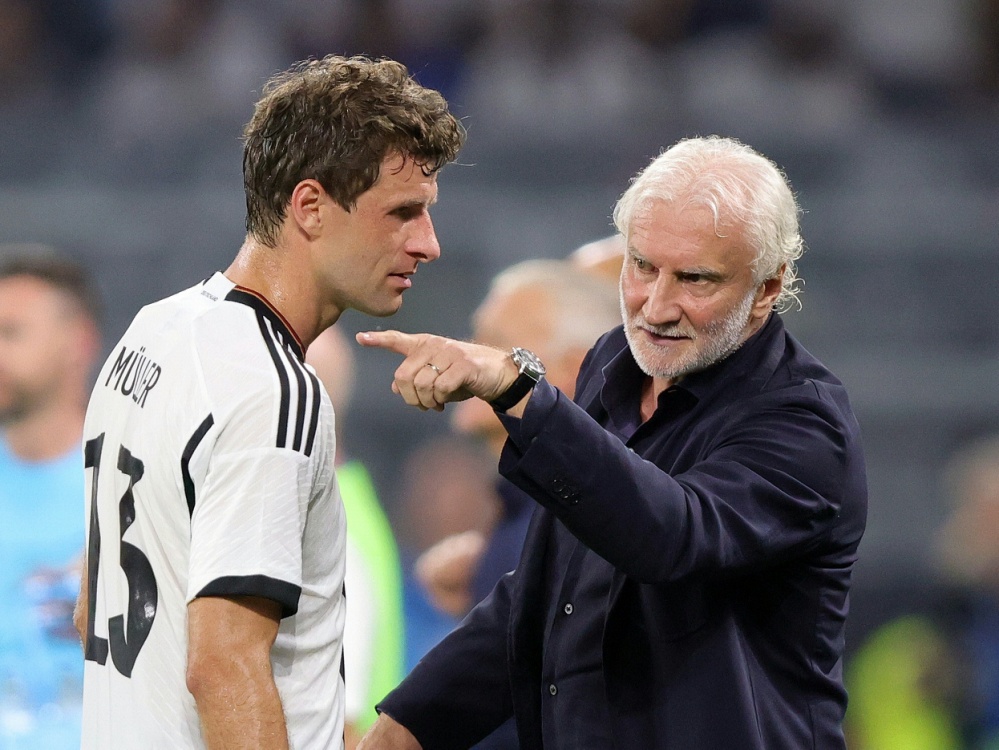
(281, 275)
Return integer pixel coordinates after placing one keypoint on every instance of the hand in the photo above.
(446, 569)
(388, 734)
(438, 370)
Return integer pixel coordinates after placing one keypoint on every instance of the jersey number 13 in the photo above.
(126, 632)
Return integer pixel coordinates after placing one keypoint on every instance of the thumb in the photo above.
(394, 341)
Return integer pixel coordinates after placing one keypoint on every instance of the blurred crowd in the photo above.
(158, 87)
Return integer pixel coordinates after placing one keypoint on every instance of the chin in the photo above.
(383, 310)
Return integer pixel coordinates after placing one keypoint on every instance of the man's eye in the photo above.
(642, 264)
(407, 213)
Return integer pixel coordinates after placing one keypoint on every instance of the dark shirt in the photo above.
(730, 521)
(574, 708)
(506, 539)
(500, 556)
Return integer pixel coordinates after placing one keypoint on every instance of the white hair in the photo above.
(585, 306)
(739, 186)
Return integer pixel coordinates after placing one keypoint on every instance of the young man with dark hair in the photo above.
(212, 611)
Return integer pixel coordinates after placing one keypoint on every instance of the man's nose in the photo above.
(662, 305)
(423, 243)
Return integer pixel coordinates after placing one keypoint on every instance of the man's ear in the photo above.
(768, 293)
(305, 206)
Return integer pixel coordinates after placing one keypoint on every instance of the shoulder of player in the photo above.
(238, 345)
(248, 365)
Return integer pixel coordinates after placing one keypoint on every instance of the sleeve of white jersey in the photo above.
(248, 521)
(246, 530)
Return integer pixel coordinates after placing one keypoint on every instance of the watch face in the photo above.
(528, 363)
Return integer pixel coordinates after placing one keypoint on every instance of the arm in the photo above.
(388, 734)
(81, 610)
(460, 691)
(229, 672)
(446, 570)
(769, 482)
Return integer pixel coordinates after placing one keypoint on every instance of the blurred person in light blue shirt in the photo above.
(49, 341)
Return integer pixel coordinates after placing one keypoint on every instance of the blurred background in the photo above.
(119, 143)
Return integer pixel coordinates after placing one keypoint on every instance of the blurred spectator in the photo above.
(557, 311)
(929, 680)
(602, 258)
(447, 489)
(374, 632)
(49, 341)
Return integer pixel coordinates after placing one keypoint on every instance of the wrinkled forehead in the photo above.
(654, 211)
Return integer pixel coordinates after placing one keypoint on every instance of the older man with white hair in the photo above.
(685, 583)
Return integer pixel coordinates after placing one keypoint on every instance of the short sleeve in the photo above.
(246, 530)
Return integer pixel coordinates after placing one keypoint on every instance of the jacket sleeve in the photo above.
(770, 484)
(460, 691)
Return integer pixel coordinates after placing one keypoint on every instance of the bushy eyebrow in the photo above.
(710, 274)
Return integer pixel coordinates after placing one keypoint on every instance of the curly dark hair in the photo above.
(334, 120)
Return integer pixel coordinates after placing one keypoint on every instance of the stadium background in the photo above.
(119, 142)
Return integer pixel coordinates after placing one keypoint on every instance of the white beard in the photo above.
(714, 343)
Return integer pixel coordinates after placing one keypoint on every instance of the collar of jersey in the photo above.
(262, 305)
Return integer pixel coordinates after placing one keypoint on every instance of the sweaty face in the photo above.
(369, 254)
(688, 297)
(33, 345)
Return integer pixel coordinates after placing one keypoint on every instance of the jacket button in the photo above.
(552, 689)
(568, 609)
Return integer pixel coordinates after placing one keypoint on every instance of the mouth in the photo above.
(667, 338)
(403, 278)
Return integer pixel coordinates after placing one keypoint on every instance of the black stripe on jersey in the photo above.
(286, 353)
(309, 397)
(263, 308)
(284, 593)
(298, 369)
(317, 397)
(283, 413)
(343, 666)
(185, 459)
(300, 417)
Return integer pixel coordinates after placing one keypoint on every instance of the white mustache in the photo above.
(671, 331)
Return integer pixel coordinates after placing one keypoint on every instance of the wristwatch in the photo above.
(531, 369)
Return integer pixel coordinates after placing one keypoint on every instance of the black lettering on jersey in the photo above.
(134, 374)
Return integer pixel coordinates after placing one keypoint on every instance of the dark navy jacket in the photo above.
(732, 519)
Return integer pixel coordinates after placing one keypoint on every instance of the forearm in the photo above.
(730, 505)
(240, 709)
(229, 672)
(466, 675)
(81, 610)
(388, 734)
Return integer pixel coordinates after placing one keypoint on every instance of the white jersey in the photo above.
(209, 454)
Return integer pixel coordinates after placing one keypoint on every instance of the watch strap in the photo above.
(512, 395)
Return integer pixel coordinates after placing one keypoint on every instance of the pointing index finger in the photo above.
(394, 341)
